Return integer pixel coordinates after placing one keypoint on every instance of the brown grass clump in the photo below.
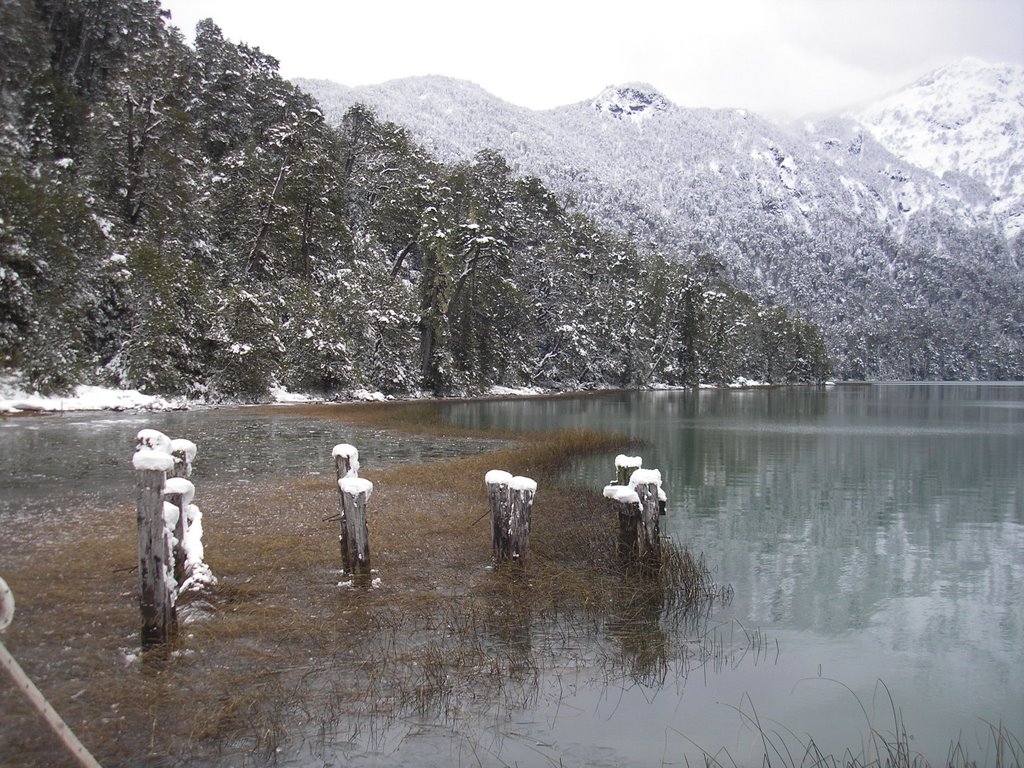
(290, 660)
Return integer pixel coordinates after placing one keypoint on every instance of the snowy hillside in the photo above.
(636, 102)
(966, 118)
(891, 259)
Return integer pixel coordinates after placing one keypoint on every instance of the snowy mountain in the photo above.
(966, 118)
(908, 272)
(634, 102)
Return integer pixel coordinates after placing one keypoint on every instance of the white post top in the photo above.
(181, 445)
(519, 483)
(498, 477)
(153, 460)
(153, 440)
(355, 486)
(645, 477)
(180, 485)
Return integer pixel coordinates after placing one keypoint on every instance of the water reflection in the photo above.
(68, 462)
(879, 529)
(873, 532)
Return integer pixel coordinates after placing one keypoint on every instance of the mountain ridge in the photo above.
(821, 217)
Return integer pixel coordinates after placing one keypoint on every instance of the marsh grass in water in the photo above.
(290, 661)
(290, 667)
(886, 744)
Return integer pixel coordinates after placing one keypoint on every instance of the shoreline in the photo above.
(19, 402)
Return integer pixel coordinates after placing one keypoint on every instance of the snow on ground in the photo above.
(282, 395)
(497, 391)
(369, 397)
(15, 399)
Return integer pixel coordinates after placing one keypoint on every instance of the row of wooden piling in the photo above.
(166, 518)
(163, 466)
(639, 499)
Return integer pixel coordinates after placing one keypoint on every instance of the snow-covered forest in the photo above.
(184, 221)
(899, 230)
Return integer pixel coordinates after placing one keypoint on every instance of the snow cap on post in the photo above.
(355, 486)
(346, 450)
(350, 455)
(645, 477)
(622, 460)
(179, 485)
(624, 494)
(150, 459)
(153, 440)
(497, 477)
(522, 484)
(187, 447)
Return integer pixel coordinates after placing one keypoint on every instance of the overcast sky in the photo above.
(781, 58)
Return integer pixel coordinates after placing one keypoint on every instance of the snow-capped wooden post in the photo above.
(639, 508)
(511, 501)
(184, 453)
(499, 501)
(346, 460)
(647, 483)
(179, 493)
(346, 465)
(626, 466)
(156, 572)
(355, 536)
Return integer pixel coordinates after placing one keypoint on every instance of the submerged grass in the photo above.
(292, 668)
(289, 659)
(887, 745)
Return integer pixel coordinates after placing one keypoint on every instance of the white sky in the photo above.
(781, 58)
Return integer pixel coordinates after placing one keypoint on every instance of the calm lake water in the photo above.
(876, 533)
(869, 533)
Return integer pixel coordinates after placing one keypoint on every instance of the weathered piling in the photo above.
(626, 466)
(179, 492)
(355, 537)
(170, 532)
(346, 460)
(353, 533)
(184, 453)
(156, 570)
(511, 501)
(639, 505)
(647, 483)
(499, 502)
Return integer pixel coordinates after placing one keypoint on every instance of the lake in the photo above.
(873, 537)
(876, 533)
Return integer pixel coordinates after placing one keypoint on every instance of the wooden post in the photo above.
(156, 579)
(355, 537)
(179, 492)
(184, 453)
(346, 464)
(346, 460)
(625, 466)
(499, 501)
(511, 501)
(627, 507)
(639, 507)
(647, 483)
(523, 489)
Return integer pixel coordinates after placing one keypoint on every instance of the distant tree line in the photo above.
(185, 222)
